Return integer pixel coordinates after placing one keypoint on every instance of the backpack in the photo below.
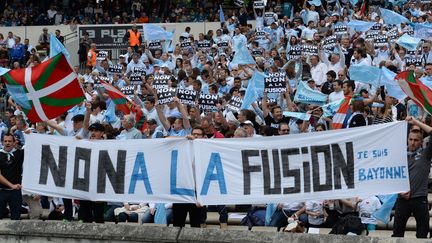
(349, 223)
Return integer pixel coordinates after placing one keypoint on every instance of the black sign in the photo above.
(260, 35)
(155, 45)
(107, 37)
(268, 15)
(409, 31)
(371, 35)
(187, 97)
(203, 45)
(381, 41)
(128, 90)
(186, 44)
(222, 44)
(295, 52)
(115, 69)
(161, 81)
(97, 82)
(102, 55)
(329, 43)
(235, 103)
(135, 79)
(376, 26)
(258, 4)
(257, 52)
(275, 83)
(207, 101)
(139, 70)
(309, 50)
(340, 29)
(416, 61)
(165, 95)
(393, 35)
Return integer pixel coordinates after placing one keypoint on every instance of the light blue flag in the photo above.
(19, 95)
(359, 25)
(3, 71)
(353, 2)
(383, 214)
(397, 2)
(423, 31)
(391, 17)
(315, 2)
(160, 215)
(154, 32)
(242, 57)
(270, 209)
(57, 47)
(392, 86)
(254, 90)
(365, 74)
(330, 109)
(307, 95)
(408, 42)
(427, 81)
(77, 110)
(221, 14)
(110, 115)
(298, 115)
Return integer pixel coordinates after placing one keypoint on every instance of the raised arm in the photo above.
(57, 127)
(162, 117)
(183, 111)
(265, 105)
(87, 117)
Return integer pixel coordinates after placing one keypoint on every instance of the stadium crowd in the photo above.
(206, 65)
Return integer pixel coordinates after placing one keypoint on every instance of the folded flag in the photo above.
(270, 209)
(339, 117)
(3, 71)
(125, 105)
(254, 90)
(306, 95)
(316, 3)
(361, 26)
(154, 32)
(160, 215)
(57, 47)
(330, 109)
(221, 14)
(298, 115)
(391, 85)
(242, 57)
(391, 17)
(408, 42)
(365, 74)
(416, 90)
(47, 90)
(383, 214)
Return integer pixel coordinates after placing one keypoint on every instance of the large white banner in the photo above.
(156, 170)
(326, 165)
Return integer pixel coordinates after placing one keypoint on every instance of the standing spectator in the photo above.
(44, 41)
(18, 52)
(415, 201)
(134, 37)
(91, 56)
(83, 50)
(59, 37)
(11, 160)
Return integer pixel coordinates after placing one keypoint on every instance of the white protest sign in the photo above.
(109, 170)
(299, 167)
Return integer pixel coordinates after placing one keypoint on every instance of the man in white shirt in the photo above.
(309, 32)
(133, 64)
(337, 94)
(359, 57)
(337, 60)
(318, 70)
(238, 40)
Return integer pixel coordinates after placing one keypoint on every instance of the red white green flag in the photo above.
(46, 91)
(415, 89)
(124, 104)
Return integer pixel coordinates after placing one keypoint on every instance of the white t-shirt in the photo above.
(367, 207)
(335, 96)
(316, 207)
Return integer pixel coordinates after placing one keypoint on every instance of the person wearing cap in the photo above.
(249, 127)
(134, 38)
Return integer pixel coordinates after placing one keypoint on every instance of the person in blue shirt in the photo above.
(181, 126)
(17, 51)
